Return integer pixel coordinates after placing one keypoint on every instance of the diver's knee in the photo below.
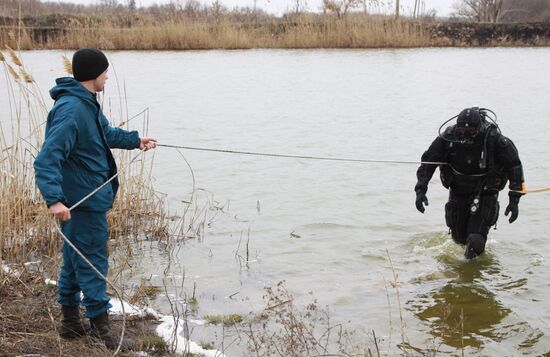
(475, 245)
(460, 240)
(458, 237)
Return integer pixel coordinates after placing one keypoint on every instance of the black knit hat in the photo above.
(89, 63)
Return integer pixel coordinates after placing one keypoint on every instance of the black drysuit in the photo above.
(474, 175)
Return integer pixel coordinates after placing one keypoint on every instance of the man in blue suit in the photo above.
(76, 159)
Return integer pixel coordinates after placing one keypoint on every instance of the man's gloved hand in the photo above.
(513, 206)
(421, 201)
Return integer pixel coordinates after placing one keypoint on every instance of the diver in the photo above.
(476, 161)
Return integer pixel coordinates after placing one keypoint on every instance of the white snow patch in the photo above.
(151, 312)
(30, 264)
(197, 322)
(10, 271)
(170, 325)
(50, 282)
(131, 310)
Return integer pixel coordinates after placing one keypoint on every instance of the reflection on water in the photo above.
(463, 312)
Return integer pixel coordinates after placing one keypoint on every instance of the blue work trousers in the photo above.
(89, 232)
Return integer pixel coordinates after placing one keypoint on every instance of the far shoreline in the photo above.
(358, 32)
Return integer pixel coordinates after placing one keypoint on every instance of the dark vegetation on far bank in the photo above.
(489, 34)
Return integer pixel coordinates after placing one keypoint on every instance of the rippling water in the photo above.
(327, 227)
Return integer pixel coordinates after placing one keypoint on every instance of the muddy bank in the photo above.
(30, 319)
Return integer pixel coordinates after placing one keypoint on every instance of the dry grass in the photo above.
(182, 31)
(306, 31)
(285, 329)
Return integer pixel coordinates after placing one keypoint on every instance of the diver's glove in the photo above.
(513, 206)
(421, 201)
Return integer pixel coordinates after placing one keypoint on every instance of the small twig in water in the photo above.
(398, 298)
(376, 343)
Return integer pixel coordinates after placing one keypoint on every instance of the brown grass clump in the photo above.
(290, 331)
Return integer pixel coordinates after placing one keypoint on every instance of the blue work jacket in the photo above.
(76, 156)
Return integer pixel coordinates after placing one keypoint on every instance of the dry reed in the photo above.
(330, 33)
(14, 58)
(26, 76)
(67, 65)
(306, 31)
(13, 73)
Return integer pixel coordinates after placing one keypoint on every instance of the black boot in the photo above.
(71, 326)
(102, 331)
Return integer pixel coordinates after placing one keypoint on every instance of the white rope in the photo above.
(302, 156)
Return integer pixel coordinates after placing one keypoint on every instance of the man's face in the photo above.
(467, 132)
(99, 82)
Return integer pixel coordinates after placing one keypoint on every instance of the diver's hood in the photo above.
(469, 118)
